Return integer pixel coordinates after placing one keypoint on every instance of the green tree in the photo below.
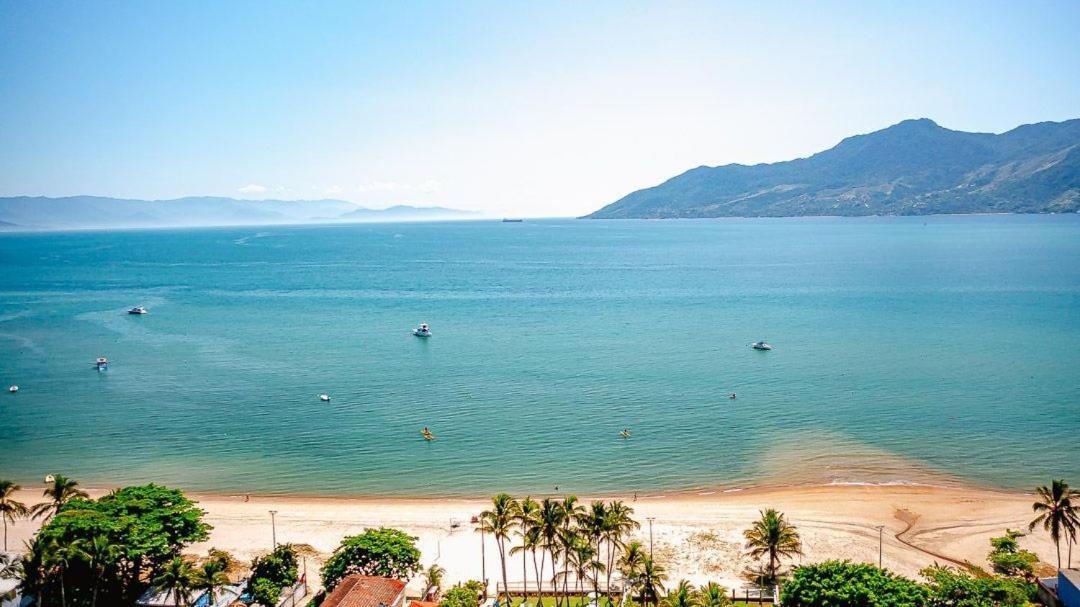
(10, 510)
(651, 581)
(617, 525)
(572, 514)
(433, 578)
(213, 573)
(681, 596)
(100, 554)
(499, 522)
(1057, 513)
(271, 573)
(847, 584)
(177, 579)
(711, 595)
(382, 552)
(772, 535)
(149, 525)
(548, 523)
(60, 491)
(1008, 558)
(460, 596)
(951, 588)
(525, 518)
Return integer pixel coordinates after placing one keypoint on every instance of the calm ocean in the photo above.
(938, 349)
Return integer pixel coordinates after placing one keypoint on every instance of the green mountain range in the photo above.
(912, 168)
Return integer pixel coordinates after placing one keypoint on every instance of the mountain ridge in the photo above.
(913, 167)
(104, 212)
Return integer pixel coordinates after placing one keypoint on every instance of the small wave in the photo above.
(243, 240)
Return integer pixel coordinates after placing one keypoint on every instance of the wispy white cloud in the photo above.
(252, 188)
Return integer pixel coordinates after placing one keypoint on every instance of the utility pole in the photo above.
(483, 560)
(273, 527)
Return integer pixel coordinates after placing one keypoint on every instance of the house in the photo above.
(1068, 587)
(1061, 591)
(366, 591)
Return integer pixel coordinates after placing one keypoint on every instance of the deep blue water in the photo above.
(940, 349)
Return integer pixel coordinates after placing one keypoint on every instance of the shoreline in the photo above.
(698, 536)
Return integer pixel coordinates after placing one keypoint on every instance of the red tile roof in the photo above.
(423, 604)
(366, 591)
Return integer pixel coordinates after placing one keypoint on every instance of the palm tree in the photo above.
(499, 522)
(618, 523)
(572, 514)
(211, 576)
(1057, 512)
(682, 596)
(176, 578)
(57, 559)
(9, 508)
(61, 491)
(525, 517)
(433, 577)
(32, 569)
(711, 595)
(774, 536)
(631, 564)
(651, 580)
(99, 553)
(548, 523)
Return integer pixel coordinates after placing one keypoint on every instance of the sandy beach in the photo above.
(696, 536)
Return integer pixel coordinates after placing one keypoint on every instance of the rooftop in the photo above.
(365, 591)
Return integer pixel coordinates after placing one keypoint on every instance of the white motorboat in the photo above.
(13, 389)
(138, 310)
(102, 364)
(422, 330)
(760, 345)
(324, 397)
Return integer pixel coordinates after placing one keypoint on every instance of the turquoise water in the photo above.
(940, 349)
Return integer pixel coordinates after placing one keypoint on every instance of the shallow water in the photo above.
(938, 349)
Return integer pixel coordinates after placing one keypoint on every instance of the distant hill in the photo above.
(80, 212)
(912, 168)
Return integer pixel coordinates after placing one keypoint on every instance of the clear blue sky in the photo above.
(543, 108)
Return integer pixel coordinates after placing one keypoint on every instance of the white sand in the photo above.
(697, 537)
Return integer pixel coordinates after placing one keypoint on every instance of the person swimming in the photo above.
(732, 397)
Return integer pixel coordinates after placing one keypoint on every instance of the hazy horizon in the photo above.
(536, 110)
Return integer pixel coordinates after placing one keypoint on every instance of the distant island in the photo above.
(912, 168)
(97, 212)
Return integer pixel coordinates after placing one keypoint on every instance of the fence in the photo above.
(290, 597)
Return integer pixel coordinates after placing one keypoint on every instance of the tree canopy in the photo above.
(271, 573)
(382, 552)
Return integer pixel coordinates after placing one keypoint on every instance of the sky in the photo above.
(512, 108)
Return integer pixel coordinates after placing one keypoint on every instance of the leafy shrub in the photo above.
(1008, 558)
(460, 596)
(951, 588)
(847, 584)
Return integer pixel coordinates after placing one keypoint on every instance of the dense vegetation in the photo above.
(101, 551)
(271, 573)
(912, 168)
(843, 583)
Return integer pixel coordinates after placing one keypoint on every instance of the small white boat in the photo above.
(760, 345)
(13, 389)
(324, 397)
(422, 330)
(138, 310)
(102, 364)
